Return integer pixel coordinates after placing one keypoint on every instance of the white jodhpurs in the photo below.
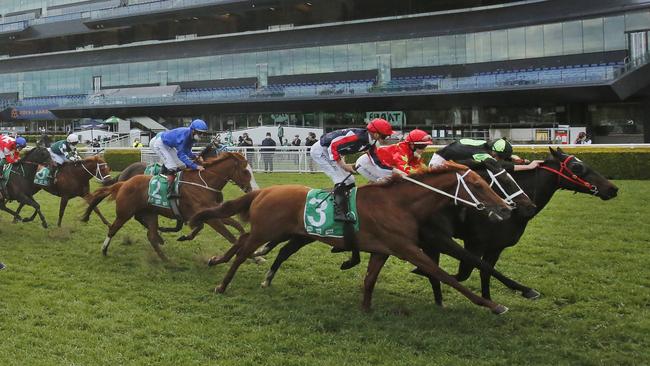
(436, 161)
(320, 155)
(58, 159)
(167, 154)
(371, 171)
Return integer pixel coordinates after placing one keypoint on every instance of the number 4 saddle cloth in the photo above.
(319, 213)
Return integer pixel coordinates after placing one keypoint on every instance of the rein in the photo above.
(508, 198)
(460, 181)
(204, 186)
(572, 177)
(98, 172)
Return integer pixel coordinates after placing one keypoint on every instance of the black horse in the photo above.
(491, 172)
(488, 240)
(20, 181)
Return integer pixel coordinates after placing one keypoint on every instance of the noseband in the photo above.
(460, 181)
(570, 175)
(506, 197)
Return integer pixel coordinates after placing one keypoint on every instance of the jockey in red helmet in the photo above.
(329, 154)
(402, 158)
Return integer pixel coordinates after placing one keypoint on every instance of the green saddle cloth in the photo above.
(153, 169)
(158, 189)
(319, 220)
(42, 177)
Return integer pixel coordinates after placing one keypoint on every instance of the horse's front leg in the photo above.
(62, 205)
(30, 201)
(13, 213)
(17, 215)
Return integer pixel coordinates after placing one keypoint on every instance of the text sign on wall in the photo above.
(395, 118)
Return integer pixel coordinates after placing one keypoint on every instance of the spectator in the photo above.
(267, 153)
(296, 141)
(582, 139)
(246, 141)
(137, 144)
(285, 142)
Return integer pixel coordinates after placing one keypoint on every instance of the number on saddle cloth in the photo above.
(158, 190)
(319, 220)
(42, 177)
(153, 169)
(6, 173)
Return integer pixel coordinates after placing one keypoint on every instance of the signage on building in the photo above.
(31, 113)
(395, 118)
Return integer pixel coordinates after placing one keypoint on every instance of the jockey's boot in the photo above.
(171, 175)
(342, 214)
(2, 266)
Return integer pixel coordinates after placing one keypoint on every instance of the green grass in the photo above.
(62, 303)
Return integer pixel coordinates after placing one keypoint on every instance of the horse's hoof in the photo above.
(531, 294)
(220, 289)
(44, 225)
(213, 261)
(366, 309)
(500, 309)
(259, 260)
(183, 238)
(266, 284)
(350, 263)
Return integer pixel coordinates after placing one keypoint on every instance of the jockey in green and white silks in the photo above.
(65, 150)
(480, 150)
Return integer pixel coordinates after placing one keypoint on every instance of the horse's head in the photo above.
(471, 190)
(96, 167)
(573, 174)
(38, 155)
(505, 186)
(239, 175)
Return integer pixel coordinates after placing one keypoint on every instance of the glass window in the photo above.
(516, 43)
(312, 57)
(534, 41)
(614, 30)
(299, 61)
(460, 48)
(483, 52)
(326, 59)
(340, 57)
(383, 48)
(430, 51)
(499, 43)
(369, 55)
(572, 37)
(414, 52)
(447, 48)
(553, 39)
(274, 63)
(355, 57)
(286, 62)
(637, 21)
(592, 35)
(226, 66)
(470, 48)
(398, 53)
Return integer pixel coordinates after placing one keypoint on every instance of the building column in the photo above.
(646, 122)
(476, 115)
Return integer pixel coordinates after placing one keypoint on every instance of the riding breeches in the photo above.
(58, 159)
(167, 154)
(370, 170)
(330, 167)
(436, 161)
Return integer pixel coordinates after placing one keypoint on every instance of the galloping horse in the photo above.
(500, 181)
(73, 180)
(559, 171)
(197, 190)
(390, 216)
(21, 178)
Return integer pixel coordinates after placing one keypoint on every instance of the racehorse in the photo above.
(197, 190)
(499, 180)
(21, 178)
(559, 171)
(209, 151)
(72, 179)
(390, 216)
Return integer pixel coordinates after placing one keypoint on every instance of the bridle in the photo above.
(506, 197)
(98, 171)
(460, 182)
(570, 175)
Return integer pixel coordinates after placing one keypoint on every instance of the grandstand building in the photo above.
(529, 70)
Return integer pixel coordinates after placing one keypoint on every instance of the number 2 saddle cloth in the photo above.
(319, 213)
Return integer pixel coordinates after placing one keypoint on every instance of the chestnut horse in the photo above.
(73, 180)
(197, 190)
(390, 216)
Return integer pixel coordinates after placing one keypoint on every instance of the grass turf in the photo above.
(62, 303)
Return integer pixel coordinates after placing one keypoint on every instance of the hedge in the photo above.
(613, 163)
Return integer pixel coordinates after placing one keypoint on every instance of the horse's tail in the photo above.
(239, 206)
(98, 196)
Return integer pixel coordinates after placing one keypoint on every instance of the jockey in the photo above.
(174, 147)
(402, 158)
(329, 153)
(480, 150)
(9, 153)
(65, 150)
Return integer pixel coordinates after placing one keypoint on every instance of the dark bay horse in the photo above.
(73, 180)
(198, 190)
(21, 179)
(390, 217)
(559, 171)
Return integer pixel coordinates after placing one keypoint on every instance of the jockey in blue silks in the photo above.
(174, 147)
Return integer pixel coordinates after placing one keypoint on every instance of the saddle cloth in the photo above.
(319, 217)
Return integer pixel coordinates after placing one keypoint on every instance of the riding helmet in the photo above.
(502, 147)
(199, 125)
(72, 138)
(21, 142)
(381, 126)
(418, 137)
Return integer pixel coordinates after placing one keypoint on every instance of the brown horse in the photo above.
(197, 190)
(73, 180)
(391, 215)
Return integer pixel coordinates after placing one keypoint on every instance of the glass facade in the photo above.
(567, 38)
(11, 6)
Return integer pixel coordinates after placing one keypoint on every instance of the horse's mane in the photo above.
(447, 167)
(221, 157)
